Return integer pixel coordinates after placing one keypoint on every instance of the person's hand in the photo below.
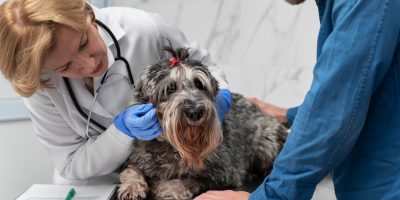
(223, 195)
(271, 110)
(223, 103)
(139, 122)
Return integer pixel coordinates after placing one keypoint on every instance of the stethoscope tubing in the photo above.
(118, 57)
(103, 79)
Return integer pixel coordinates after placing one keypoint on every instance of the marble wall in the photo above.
(267, 48)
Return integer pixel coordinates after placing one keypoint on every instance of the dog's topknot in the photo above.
(180, 54)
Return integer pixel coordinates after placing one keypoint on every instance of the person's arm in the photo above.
(290, 115)
(352, 62)
(283, 115)
(74, 156)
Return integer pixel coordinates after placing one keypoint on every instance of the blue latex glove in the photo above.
(223, 103)
(139, 122)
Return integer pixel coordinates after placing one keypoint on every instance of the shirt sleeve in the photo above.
(76, 157)
(178, 39)
(353, 60)
(291, 114)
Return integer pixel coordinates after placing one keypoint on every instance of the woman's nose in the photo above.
(88, 64)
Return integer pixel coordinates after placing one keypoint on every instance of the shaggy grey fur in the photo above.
(175, 165)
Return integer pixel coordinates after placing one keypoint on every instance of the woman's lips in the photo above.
(99, 67)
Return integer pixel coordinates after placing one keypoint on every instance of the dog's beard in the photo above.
(295, 2)
(194, 142)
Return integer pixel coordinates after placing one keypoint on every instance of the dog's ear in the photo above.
(214, 85)
(150, 78)
(213, 81)
(140, 95)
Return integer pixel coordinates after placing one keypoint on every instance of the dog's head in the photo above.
(184, 93)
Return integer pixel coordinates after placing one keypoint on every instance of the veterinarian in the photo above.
(57, 54)
(349, 122)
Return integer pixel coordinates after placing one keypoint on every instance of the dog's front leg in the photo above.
(133, 185)
(174, 189)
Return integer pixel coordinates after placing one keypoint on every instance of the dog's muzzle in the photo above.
(193, 112)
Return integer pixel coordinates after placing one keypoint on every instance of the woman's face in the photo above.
(77, 54)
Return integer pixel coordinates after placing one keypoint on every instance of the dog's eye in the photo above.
(199, 85)
(171, 88)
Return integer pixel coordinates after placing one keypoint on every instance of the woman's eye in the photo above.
(84, 42)
(171, 88)
(199, 85)
(65, 68)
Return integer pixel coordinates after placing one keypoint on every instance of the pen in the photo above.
(70, 194)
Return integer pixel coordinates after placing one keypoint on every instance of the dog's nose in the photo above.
(194, 114)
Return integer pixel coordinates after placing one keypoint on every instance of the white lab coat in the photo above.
(80, 159)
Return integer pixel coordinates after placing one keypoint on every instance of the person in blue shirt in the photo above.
(349, 121)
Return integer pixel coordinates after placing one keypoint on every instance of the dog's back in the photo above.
(253, 139)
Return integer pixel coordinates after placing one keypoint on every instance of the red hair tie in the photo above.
(174, 62)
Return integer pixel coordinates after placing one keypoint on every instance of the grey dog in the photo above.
(196, 152)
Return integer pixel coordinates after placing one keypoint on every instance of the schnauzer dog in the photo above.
(196, 152)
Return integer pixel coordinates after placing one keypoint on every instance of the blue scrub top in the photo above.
(349, 122)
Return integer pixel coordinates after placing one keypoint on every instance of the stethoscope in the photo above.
(103, 80)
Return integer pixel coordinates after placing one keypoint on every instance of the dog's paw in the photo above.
(132, 190)
(172, 190)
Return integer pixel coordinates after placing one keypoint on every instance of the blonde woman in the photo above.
(56, 53)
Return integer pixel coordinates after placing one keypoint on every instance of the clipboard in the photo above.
(59, 192)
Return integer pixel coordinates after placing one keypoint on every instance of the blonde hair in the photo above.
(27, 35)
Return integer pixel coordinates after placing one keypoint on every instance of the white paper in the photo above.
(59, 192)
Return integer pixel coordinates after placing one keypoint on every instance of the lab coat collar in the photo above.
(110, 23)
(111, 61)
(115, 28)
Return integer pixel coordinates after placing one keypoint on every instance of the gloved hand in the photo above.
(223, 103)
(139, 122)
